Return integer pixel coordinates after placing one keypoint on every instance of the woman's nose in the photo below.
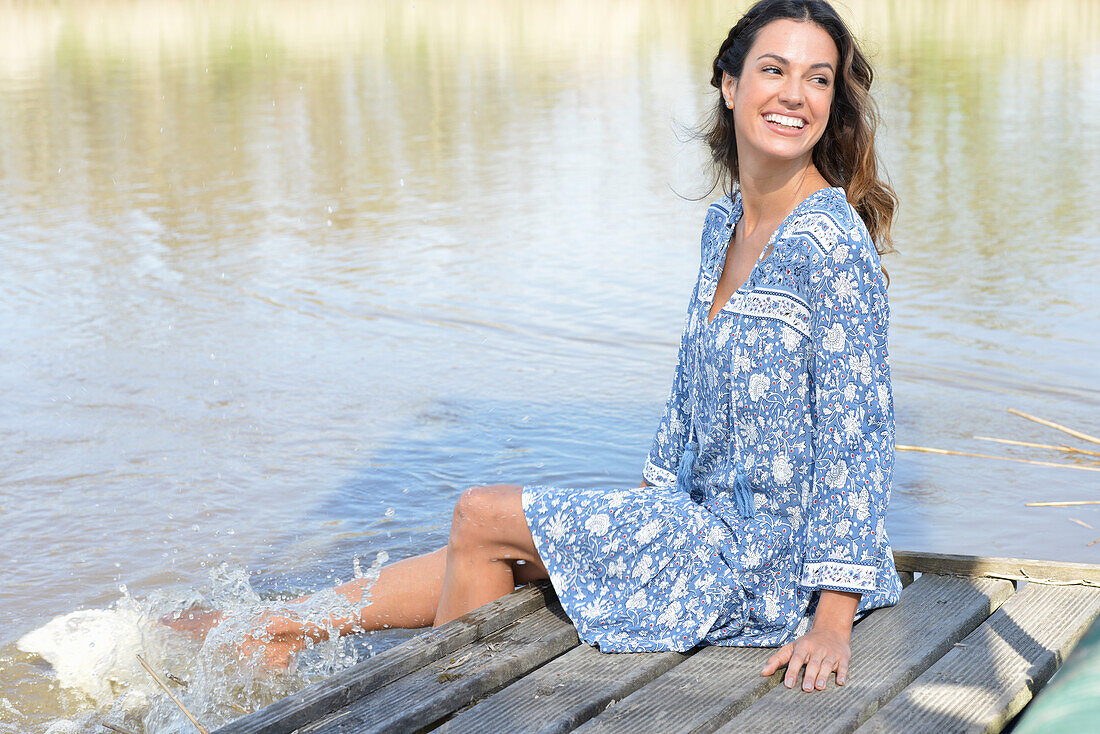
(790, 94)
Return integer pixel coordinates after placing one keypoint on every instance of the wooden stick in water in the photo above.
(927, 450)
(1070, 431)
(1062, 504)
(1059, 447)
(112, 727)
(172, 696)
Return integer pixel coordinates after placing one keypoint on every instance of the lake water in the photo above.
(279, 279)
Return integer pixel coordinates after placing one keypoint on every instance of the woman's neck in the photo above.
(768, 197)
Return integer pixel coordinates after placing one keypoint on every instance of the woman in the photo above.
(760, 517)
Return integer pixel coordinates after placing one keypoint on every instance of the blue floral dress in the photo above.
(771, 465)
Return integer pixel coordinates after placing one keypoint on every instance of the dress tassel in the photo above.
(684, 481)
(742, 493)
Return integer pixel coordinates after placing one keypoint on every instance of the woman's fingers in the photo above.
(819, 661)
(828, 665)
(798, 659)
(778, 660)
(842, 671)
(813, 667)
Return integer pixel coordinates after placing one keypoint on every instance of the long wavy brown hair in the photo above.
(845, 154)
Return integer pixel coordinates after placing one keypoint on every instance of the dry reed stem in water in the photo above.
(172, 696)
(1062, 504)
(1052, 424)
(1081, 523)
(1092, 543)
(927, 450)
(1059, 447)
(112, 727)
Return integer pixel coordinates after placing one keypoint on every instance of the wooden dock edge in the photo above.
(348, 685)
(1013, 569)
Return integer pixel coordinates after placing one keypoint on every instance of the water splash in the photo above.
(218, 676)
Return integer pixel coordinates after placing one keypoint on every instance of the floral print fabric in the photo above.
(784, 397)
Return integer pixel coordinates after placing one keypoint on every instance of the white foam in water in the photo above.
(94, 652)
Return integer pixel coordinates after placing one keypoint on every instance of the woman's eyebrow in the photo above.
(780, 59)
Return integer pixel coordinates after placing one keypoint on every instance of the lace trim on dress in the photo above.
(776, 305)
(844, 576)
(658, 476)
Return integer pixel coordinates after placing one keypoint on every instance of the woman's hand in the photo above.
(821, 651)
(824, 649)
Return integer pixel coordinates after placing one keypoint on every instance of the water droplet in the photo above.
(389, 512)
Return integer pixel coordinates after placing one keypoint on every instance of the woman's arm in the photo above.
(853, 415)
(824, 649)
(853, 442)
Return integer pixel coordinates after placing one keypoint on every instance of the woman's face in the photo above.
(782, 99)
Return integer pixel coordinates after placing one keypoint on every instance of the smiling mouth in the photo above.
(793, 123)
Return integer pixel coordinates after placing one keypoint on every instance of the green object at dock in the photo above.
(1071, 703)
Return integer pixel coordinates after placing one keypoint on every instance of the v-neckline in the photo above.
(737, 210)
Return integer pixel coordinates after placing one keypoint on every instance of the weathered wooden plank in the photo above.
(953, 565)
(431, 693)
(564, 693)
(709, 687)
(718, 683)
(989, 677)
(889, 649)
(323, 697)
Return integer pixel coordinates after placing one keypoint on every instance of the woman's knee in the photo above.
(478, 514)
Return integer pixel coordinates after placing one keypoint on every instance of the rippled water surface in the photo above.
(279, 279)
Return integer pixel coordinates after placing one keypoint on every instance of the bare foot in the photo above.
(195, 621)
(281, 636)
(278, 635)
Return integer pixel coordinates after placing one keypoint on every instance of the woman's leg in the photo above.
(405, 594)
(489, 552)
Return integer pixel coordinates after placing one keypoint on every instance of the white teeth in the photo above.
(784, 120)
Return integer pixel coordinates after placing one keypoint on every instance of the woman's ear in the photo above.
(729, 88)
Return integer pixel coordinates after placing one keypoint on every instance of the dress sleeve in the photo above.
(853, 414)
(672, 432)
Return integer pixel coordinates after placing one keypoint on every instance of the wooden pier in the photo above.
(971, 642)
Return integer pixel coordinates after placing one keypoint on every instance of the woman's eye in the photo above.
(770, 69)
(823, 81)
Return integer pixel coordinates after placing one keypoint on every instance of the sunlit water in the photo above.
(278, 280)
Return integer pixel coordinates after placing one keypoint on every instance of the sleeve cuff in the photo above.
(839, 576)
(658, 476)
